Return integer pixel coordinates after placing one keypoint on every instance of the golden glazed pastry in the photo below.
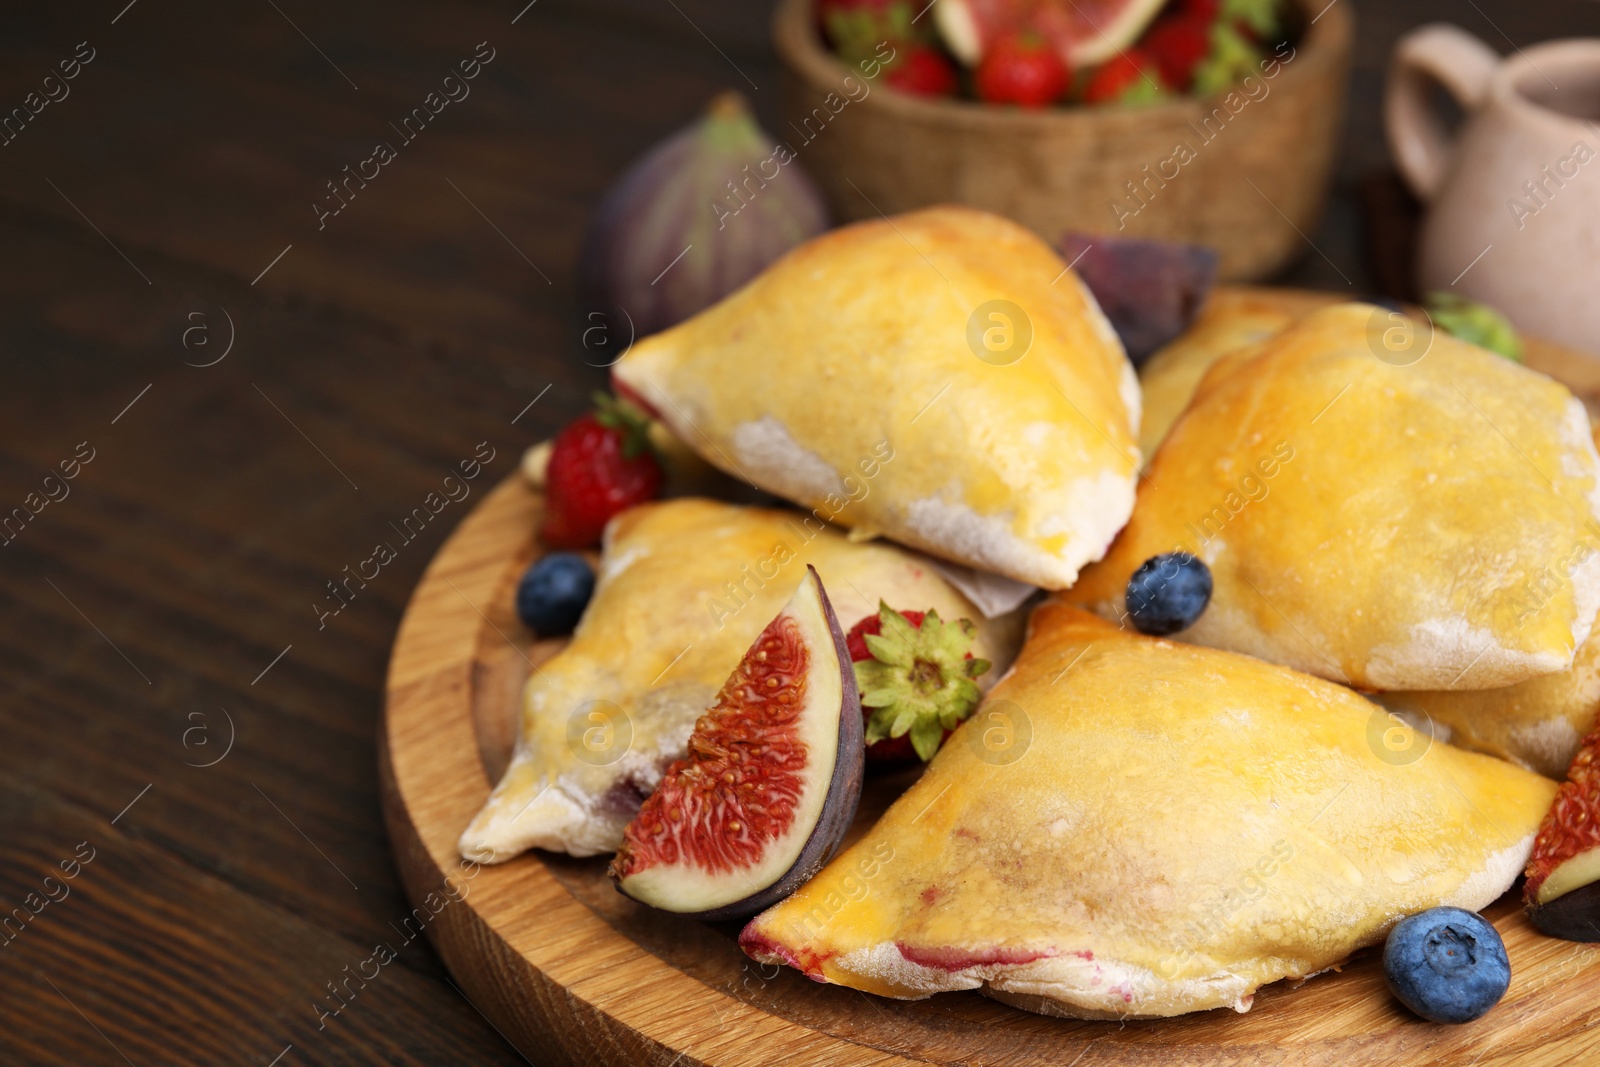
(683, 589)
(951, 352)
(1134, 827)
(1428, 526)
(1536, 724)
(1231, 319)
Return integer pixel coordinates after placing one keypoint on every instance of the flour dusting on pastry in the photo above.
(1088, 518)
(1546, 746)
(1451, 653)
(604, 717)
(1181, 827)
(767, 453)
(1422, 527)
(1536, 723)
(943, 379)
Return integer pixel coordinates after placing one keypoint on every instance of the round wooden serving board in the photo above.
(573, 973)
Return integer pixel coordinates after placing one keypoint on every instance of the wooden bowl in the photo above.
(1246, 173)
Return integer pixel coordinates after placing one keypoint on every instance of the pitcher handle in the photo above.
(1436, 54)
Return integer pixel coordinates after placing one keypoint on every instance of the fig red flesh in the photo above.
(739, 784)
(770, 783)
(1565, 865)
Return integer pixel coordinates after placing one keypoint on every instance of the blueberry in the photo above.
(553, 593)
(1168, 592)
(1446, 964)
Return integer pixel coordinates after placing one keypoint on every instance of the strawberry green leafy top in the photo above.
(919, 680)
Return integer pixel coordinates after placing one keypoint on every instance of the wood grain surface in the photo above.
(148, 609)
(574, 972)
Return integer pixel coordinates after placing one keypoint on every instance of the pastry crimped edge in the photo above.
(1434, 647)
(769, 456)
(1099, 512)
(1396, 667)
(1077, 987)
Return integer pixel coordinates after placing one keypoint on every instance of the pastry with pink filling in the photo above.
(1133, 827)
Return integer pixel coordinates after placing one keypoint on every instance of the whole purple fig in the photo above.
(698, 216)
(1150, 290)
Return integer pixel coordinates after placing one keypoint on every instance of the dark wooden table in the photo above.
(191, 850)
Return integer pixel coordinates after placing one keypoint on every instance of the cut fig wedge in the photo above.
(771, 781)
(1083, 32)
(1573, 915)
(1562, 890)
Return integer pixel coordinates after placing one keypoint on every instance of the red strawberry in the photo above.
(856, 639)
(599, 465)
(922, 71)
(1131, 78)
(1021, 68)
(1178, 43)
(916, 680)
(1206, 9)
(1562, 890)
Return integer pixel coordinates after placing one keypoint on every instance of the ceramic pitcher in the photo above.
(1513, 191)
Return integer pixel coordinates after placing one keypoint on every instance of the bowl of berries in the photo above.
(1208, 122)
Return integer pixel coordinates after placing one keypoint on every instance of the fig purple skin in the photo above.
(1573, 916)
(1150, 290)
(630, 872)
(844, 792)
(694, 219)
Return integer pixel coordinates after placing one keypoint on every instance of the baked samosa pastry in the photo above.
(941, 378)
(683, 589)
(1134, 827)
(1426, 526)
(1536, 724)
(1231, 319)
